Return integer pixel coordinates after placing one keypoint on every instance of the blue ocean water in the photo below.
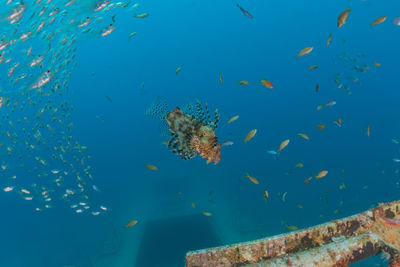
(116, 78)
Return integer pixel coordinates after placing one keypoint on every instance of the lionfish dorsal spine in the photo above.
(190, 110)
(208, 118)
(200, 110)
(216, 116)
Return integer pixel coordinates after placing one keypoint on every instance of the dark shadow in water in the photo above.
(166, 242)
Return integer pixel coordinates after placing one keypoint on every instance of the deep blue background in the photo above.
(206, 38)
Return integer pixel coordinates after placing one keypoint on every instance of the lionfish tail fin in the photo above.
(163, 129)
(158, 109)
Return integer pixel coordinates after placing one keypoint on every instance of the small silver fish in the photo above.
(284, 197)
(227, 143)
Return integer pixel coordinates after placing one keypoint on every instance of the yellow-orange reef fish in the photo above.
(151, 167)
(378, 21)
(305, 51)
(321, 174)
(250, 135)
(131, 224)
(233, 119)
(252, 179)
(328, 41)
(343, 17)
(267, 84)
(304, 136)
(283, 145)
(243, 82)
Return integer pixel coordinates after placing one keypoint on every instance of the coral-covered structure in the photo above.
(336, 243)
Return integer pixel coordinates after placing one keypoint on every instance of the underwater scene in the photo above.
(134, 132)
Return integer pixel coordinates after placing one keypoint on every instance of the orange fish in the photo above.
(313, 67)
(317, 88)
(151, 167)
(321, 126)
(304, 136)
(283, 145)
(131, 224)
(292, 227)
(377, 64)
(299, 165)
(267, 83)
(321, 174)
(378, 21)
(342, 17)
(368, 130)
(243, 82)
(254, 180)
(250, 135)
(220, 78)
(305, 51)
(328, 42)
(233, 119)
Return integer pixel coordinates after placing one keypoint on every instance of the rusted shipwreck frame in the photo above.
(336, 243)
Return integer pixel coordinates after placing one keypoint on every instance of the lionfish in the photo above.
(191, 130)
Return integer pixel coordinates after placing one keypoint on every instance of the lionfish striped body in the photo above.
(192, 132)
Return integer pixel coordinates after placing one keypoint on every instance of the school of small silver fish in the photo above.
(41, 160)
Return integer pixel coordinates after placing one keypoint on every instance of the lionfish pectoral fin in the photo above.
(175, 146)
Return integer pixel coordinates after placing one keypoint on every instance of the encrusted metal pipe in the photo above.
(336, 243)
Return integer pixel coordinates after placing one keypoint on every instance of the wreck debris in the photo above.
(336, 243)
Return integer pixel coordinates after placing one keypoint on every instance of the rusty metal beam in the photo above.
(336, 243)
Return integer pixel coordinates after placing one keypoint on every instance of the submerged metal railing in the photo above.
(336, 243)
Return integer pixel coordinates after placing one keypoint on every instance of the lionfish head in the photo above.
(214, 154)
(206, 144)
